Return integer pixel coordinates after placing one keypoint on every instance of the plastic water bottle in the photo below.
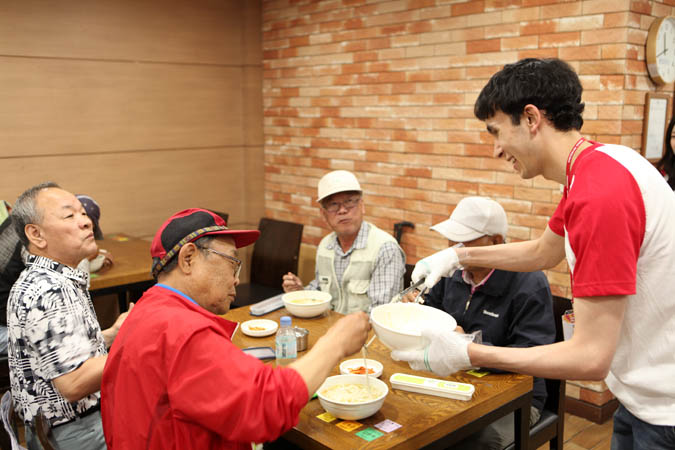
(286, 344)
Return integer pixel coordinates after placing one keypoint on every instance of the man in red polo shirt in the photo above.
(615, 226)
(174, 380)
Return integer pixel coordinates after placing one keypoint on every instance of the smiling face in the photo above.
(65, 232)
(513, 143)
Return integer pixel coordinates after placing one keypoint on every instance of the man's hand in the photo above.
(291, 283)
(433, 267)
(344, 338)
(410, 296)
(447, 353)
(349, 333)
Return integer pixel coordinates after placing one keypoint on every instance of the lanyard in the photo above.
(569, 160)
(177, 292)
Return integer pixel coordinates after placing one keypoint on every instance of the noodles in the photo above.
(351, 393)
(306, 301)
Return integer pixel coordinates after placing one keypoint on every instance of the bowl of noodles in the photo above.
(306, 303)
(352, 397)
(398, 325)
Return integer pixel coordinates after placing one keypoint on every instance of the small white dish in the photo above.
(351, 366)
(259, 327)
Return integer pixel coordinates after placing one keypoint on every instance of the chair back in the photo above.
(276, 252)
(8, 432)
(555, 389)
(43, 432)
(551, 426)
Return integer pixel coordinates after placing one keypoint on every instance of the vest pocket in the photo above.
(358, 295)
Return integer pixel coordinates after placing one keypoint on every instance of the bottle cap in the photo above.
(285, 321)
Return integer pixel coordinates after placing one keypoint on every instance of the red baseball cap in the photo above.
(187, 226)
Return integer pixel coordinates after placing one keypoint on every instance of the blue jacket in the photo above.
(513, 309)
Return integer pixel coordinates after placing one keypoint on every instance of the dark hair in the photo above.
(25, 210)
(203, 241)
(667, 161)
(549, 84)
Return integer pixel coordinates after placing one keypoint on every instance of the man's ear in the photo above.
(533, 117)
(324, 215)
(187, 256)
(497, 239)
(35, 236)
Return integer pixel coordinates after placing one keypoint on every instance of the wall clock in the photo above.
(661, 50)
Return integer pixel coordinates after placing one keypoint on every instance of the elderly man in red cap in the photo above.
(174, 380)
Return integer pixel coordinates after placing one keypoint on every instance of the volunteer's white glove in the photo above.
(447, 353)
(433, 267)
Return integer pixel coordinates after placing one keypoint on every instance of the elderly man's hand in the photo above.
(447, 353)
(410, 296)
(349, 333)
(291, 283)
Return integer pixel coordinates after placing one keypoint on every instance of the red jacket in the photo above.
(174, 380)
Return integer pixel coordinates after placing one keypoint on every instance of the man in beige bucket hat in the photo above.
(360, 265)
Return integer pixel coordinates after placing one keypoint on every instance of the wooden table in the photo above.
(130, 271)
(427, 421)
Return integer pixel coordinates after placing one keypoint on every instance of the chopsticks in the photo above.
(412, 287)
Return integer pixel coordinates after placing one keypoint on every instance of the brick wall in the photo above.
(386, 89)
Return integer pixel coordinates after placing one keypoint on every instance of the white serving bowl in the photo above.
(376, 366)
(353, 411)
(398, 325)
(321, 305)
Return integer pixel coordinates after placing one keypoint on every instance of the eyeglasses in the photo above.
(237, 261)
(349, 204)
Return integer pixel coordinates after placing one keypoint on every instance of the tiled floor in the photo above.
(581, 434)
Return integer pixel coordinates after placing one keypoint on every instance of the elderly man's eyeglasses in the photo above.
(349, 204)
(236, 261)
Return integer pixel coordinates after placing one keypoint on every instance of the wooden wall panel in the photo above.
(252, 34)
(149, 106)
(52, 106)
(137, 191)
(200, 31)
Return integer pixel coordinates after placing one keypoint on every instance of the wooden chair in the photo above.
(9, 435)
(43, 432)
(551, 424)
(275, 253)
(9, 439)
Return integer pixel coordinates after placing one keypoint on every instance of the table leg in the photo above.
(521, 425)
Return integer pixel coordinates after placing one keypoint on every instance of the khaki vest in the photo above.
(352, 294)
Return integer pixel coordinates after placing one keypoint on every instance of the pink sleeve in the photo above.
(605, 220)
(233, 394)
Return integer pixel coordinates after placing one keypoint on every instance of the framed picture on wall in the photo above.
(654, 126)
